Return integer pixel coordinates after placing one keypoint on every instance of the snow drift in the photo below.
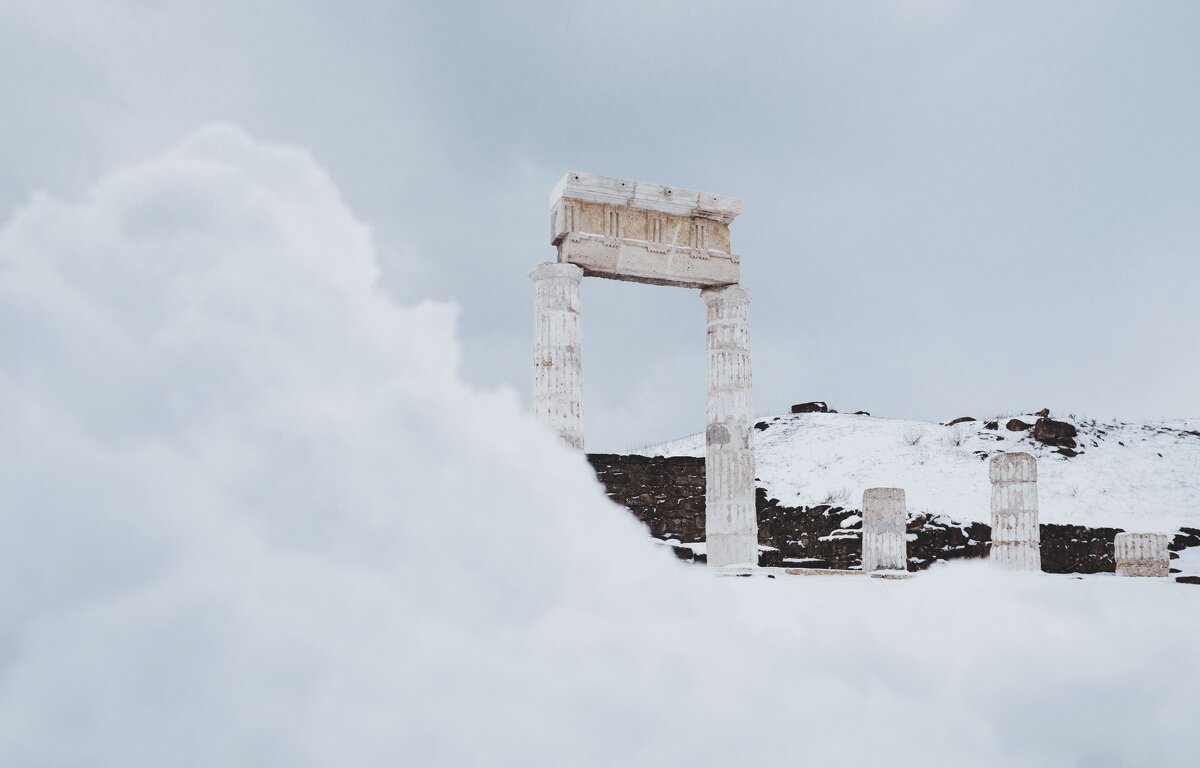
(250, 516)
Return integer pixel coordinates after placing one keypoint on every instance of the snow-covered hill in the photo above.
(1132, 476)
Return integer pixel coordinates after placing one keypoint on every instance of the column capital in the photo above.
(1013, 467)
(883, 495)
(554, 269)
(731, 293)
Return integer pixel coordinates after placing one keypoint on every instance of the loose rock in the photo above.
(1053, 432)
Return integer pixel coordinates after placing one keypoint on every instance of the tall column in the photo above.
(557, 365)
(731, 526)
(1016, 537)
(1142, 554)
(884, 547)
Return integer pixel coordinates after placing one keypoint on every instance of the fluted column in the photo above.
(1142, 554)
(731, 526)
(1016, 536)
(557, 365)
(884, 547)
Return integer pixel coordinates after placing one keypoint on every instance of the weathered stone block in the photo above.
(1016, 536)
(1142, 554)
(1013, 468)
(642, 232)
(884, 519)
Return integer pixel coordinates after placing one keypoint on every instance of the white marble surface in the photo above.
(731, 523)
(591, 187)
(1016, 537)
(884, 546)
(557, 360)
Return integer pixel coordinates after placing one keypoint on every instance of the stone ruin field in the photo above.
(1096, 480)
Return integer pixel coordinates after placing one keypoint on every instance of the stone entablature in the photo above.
(641, 232)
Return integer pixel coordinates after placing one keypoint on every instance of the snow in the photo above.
(251, 517)
(1134, 476)
(1188, 563)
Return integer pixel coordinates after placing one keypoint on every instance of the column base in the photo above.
(884, 551)
(1152, 570)
(1016, 556)
(732, 549)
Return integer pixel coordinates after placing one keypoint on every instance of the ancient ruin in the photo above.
(557, 367)
(713, 509)
(1142, 554)
(884, 519)
(650, 233)
(1016, 536)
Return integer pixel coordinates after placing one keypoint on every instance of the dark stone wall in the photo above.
(1076, 549)
(667, 494)
(831, 537)
(937, 537)
(808, 537)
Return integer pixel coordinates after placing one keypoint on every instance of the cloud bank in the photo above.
(250, 515)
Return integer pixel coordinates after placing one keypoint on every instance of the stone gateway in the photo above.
(650, 233)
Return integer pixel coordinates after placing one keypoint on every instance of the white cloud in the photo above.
(249, 515)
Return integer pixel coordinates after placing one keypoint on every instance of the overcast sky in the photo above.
(949, 208)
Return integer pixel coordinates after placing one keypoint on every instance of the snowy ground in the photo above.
(1188, 563)
(1078, 652)
(1133, 476)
